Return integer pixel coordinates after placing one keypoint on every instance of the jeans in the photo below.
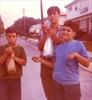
(68, 92)
(10, 89)
(48, 83)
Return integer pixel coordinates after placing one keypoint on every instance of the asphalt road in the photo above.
(31, 82)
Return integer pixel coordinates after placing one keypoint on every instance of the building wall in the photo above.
(81, 13)
(85, 7)
(79, 8)
(73, 11)
(62, 19)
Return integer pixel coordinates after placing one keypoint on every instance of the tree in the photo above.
(1, 26)
(22, 25)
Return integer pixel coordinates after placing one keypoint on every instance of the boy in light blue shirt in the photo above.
(68, 55)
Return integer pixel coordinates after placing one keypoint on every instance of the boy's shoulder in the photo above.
(20, 47)
(3, 46)
(78, 41)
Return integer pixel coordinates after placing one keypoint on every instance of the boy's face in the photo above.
(66, 33)
(11, 38)
(53, 17)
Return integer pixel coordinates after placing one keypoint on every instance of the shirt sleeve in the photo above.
(23, 53)
(83, 50)
(1, 50)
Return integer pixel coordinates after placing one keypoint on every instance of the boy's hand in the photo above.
(36, 59)
(51, 32)
(8, 50)
(12, 54)
(72, 56)
(47, 30)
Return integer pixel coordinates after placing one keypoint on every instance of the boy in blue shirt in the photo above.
(68, 55)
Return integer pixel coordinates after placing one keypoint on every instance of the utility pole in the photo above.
(24, 25)
(41, 7)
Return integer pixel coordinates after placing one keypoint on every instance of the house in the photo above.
(62, 18)
(80, 11)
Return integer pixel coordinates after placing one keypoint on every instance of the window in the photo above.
(70, 8)
(83, 24)
(75, 8)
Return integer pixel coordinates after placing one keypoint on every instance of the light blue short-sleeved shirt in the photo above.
(66, 71)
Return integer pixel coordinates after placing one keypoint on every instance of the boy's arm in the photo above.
(41, 42)
(3, 58)
(82, 60)
(4, 53)
(20, 60)
(48, 63)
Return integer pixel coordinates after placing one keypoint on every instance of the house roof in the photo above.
(73, 2)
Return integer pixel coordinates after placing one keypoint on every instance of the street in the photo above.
(31, 82)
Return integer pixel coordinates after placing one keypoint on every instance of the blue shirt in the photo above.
(65, 71)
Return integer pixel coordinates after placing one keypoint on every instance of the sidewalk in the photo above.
(86, 84)
(86, 80)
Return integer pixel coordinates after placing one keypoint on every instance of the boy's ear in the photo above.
(18, 35)
(74, 34)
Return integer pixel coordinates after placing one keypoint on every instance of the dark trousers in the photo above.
(68, 92)
(48, 83)
(10, 90)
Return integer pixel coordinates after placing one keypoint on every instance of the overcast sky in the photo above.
(11, 10)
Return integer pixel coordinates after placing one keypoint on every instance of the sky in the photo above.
(11, 10)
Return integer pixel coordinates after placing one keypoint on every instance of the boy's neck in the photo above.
(12, 44)
(54, 25)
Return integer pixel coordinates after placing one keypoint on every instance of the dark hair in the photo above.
(53, 9)
(11, 30)
(74, 26)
